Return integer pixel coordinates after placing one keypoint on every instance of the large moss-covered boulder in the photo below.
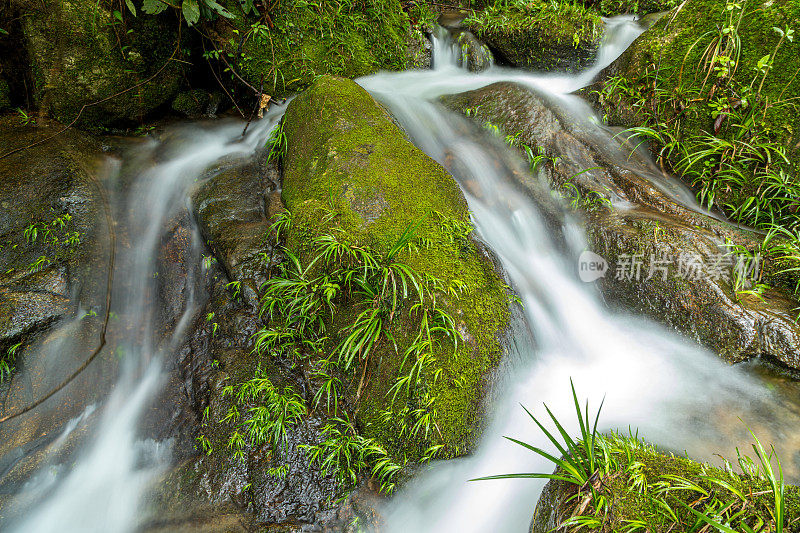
(539, 35)
(348, 39)
(87, 54)
(347, 157)
(665, 258)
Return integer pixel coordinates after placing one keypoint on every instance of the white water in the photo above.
(665, 386)
(102, 491)
(677, 394)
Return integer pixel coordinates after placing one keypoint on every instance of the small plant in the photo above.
(620, 483)
(345, 454)
(7, 362)
(579, 461)
(278, 143)
(24, 118)
(383, 294)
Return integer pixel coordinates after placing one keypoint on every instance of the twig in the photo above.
(256, 107)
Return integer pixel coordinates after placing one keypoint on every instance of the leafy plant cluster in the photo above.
(736, 163)
(295, 40)
(193, 11)
(618, 482)
(7, 362)
(332, 314)
(56, 238)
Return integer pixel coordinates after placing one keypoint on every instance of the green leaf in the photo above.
(221, 11)
(153, 7)
(131, 7)
(191, 11)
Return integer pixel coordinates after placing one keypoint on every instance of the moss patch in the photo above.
(346, 156)
(645, 489)
(610, 8)
(677, 46)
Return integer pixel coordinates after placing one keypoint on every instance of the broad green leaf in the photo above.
(153, 7)
(191, 11)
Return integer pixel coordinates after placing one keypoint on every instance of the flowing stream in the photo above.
(678, 395)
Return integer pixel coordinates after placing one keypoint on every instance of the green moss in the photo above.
(645, 489)
(650, 466)
(345, 37)
(5, 94)
(676, 46)
(345, 155)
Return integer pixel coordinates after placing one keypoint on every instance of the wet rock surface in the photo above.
(475, 55)
(233, 206)
(44, 279)
(634, 212)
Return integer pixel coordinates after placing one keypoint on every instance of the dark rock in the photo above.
(529, 37)
(5, 94)
(82, 55)
(38, 185)
(55, 174)
(551, 507)
(193, 104)
(419, 50)
(234, 209)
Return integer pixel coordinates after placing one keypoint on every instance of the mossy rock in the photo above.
(347, 157)
(644, 464)
(192, 104)
(675, 47)
(345, 38)
(703, 307)
(540, 35)
(83, 55)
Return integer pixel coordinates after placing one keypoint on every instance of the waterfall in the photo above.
(651, 379)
